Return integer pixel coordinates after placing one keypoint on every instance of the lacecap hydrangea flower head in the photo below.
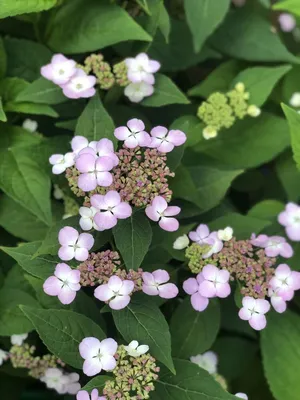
(218, 258)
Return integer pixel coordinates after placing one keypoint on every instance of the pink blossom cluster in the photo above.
(74, 82)
(140, 73)
(213, 280)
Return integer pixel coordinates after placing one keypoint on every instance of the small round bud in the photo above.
(240, 87)
(209, 132)
(181, 242)
(253, 111)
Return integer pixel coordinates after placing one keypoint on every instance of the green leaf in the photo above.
(263, 137)
(96, 383)
(164, 23)
(218, 80)
(20, 222)
(165, 92)
(86, 25)
(198, 332)
(203, 185)
(62, 331)
(294, 124)
(25, 58)
(288, 175)
(11, 8)
(41, 91)
(203, 18)
(12, 320)
(190, 381)
(41, 267)
(144, 322)
(3, 117)
(133, 238)
(292, 6)
(178, 53)
(260, 81)
(243, 225)
(22, 179)
(247, 35)
(281, 354)
(266, 209)
(95, 123)
(3, 59)
(31, 108)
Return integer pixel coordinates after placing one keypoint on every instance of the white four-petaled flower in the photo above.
(136, 350)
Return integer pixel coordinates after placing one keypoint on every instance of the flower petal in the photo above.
(89, 347)
(168, 291)
(127, 287)
(169, 224)
(210, 272)
(119, 302)
(122, 211)
(92, 367)
(176, 137)
(67, 236)
(86, 163)
(108, 362)
(86, 241)
(258, 322)
(108, 346)
(52, 286)
(207, 289)
(87, 182)
(66, 295)
(190, 286)
(66, 253)
(103, 293)
(199, 303)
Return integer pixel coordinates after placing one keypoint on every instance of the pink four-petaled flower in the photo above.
(155, 284)
(110, 209)
(164, 140)
(141, 69)
(64, 284)
(94, 171)
(60, 70)
(160, 212)
(98, 355)
(285, 282)
(191, 287)
(80, 85)
(290, 219)
(74, 245)
(133, 134)
(215, 282)
(273, 245)
(203, 237)
(254, 311)
(84, 395)
(116, 292)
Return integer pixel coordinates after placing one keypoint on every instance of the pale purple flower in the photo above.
(54, 378)
(290, 218)
(64, 284)
(285, 281)
(254, 311)
(277, 301)
(98, 355)
(274, 245)
(61, 162)
(136, 92)
(60, 70)
(155, 284)
(86, 221)
(74, 245)
(116, 292)
(160, 212)
(201, 234)
(164, 140)
(72, 385)
(105, 148)
(241, 396)
(191, 287)
(80, 85)
(141, 69)
(287, 22)
(84, 395)
(215, 282)
(110, 209)
(94, 171)
(133, 134)
(207, 361)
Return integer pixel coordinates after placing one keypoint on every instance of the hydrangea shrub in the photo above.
(150, 201)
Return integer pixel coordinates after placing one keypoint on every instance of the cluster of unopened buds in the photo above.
(48, 369)
(136, 74)
(96, 169)
(222, 110)
(218, 258)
